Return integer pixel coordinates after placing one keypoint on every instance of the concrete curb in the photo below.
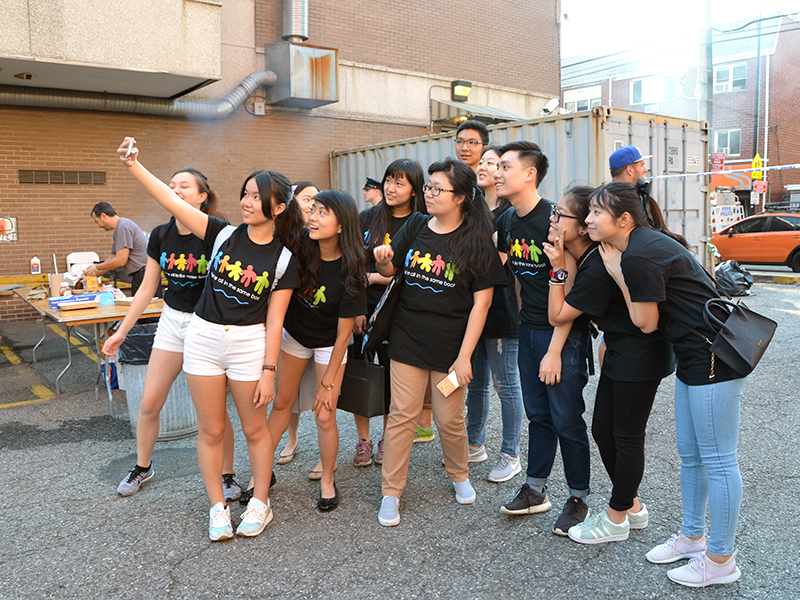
(785, 278)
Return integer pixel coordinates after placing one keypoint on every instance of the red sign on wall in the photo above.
(759, 186)
(717, 161)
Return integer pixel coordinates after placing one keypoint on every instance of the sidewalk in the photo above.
(67, 534)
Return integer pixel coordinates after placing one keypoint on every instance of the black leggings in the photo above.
(621, 410)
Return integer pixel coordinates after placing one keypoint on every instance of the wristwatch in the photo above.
(272, 368)
(327, 387)
(559, 276)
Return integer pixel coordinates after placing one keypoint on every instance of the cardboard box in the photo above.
(102, 297)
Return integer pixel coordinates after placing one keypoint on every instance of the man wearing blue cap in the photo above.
(372, 191)
(627, 164)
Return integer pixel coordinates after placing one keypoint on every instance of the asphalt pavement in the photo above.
(67, 534)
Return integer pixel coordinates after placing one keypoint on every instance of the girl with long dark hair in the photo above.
(402, 196)
(666, 289)
(319, 323)
(181, 256)
(451, 267)
(634, 365)
(250, 279)
(495, 357)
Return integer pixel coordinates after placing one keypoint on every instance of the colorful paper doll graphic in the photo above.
(319, 295)
(262, 282)
(235, 270)
(248, 276)
(202, 264)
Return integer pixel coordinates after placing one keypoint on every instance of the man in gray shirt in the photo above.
(128, 249)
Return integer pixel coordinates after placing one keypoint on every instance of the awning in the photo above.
(445, 110)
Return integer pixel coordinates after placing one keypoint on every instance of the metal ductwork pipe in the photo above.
(95, 101)
(294, 20)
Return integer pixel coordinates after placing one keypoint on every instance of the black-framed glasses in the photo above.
(470, 143)
(556, 215)
(434, 190)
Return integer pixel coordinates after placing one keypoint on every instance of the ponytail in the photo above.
(209, 205)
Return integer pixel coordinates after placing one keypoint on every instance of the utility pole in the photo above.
(758, 85)
(707, 70)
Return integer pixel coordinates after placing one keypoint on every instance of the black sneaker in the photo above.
(575, 511)
(231, 489)
(134, 479)
(527, 502)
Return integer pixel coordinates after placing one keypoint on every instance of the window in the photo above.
(653, 89)
(728, 141)
(63, 177)
(730, 78)
(784, 223)
(750, 225)
(583, 98)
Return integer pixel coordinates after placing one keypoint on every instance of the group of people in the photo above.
(500, 286)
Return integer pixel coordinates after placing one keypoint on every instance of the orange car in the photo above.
(767, 239)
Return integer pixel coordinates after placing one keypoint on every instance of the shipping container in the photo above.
(578, 146)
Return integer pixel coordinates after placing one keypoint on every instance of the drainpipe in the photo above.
(294, 20)
(95, 101)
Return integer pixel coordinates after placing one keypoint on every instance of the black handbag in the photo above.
(363, 389)
(742, 335)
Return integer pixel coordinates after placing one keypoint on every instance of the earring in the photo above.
(581, 232)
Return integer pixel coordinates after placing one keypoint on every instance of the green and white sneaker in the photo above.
(598, 530)
(639, 520)
(257, 516)
(422, 434)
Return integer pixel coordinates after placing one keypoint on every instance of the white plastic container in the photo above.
(36, 266)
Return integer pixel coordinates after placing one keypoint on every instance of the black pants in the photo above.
(621, 410)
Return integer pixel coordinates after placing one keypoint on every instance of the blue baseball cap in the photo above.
(626, 156)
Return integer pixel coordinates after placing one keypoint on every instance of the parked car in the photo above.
(767, 239)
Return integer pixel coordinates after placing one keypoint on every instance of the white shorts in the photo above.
(233, 350)
(321, 356)
(171, 330)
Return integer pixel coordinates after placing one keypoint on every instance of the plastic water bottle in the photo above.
(36, 266)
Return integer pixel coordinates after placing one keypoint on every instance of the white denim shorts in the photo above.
(233, 350)
(321, 356)
(171, 330)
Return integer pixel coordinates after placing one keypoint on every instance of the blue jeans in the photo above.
(555, 412)
(707, 428)
(495, 357)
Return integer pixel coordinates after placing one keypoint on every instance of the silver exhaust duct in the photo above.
(144, 105)
(294, 20)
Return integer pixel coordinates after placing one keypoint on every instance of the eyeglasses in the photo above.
(470, 143)
(435, 191)
(556, 215)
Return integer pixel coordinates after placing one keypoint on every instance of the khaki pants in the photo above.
(409, 386)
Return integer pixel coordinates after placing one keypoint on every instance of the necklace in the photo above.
(588, 254)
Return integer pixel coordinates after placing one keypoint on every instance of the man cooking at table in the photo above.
(128, 248)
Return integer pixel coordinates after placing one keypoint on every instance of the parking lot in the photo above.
(66, 533)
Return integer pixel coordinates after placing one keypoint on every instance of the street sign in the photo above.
(717, 161)
(760, 186)
(754, 198)
(757, 164)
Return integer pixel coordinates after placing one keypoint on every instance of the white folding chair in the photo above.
(78, 261)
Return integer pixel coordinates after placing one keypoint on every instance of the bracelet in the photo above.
(554, 282)
(272, 368)
(327, 387)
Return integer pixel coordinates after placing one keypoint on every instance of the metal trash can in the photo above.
(178, 417)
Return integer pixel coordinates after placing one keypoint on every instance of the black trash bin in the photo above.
(178, 417)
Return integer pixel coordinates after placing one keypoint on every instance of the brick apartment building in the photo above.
(665, 82)
(75, 78)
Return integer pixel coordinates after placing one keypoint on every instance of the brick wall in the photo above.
(12, 308)
(513, 43)
(55, 218)
(784, 134)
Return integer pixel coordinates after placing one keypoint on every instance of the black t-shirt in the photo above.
(631, 355)
(502, 320)
(659, 269)
(366, 217)
(240, 277)
(435, 300)
(313, 319)
(522, 239)
(183, 259)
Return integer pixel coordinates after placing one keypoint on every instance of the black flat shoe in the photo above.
(248, 494)
(328, 504)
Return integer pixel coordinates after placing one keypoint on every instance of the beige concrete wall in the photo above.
(175, 36)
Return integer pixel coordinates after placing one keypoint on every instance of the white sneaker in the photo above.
(702, 572)
(257, 516)
(465, 494)
(676, 548)
(389, 515)
(477, 455)
(219, 523)
(506, 467)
